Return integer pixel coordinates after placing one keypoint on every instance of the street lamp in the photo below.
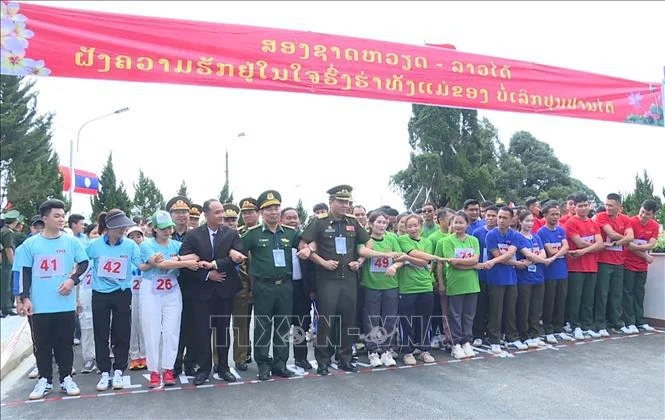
(226, 157)
(71, 149)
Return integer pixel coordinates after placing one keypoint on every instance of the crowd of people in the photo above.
(165, 293)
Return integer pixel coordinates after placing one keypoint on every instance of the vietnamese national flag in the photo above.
(84, 182)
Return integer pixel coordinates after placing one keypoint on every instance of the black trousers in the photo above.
(502, 312)
(186, 351)
(482, 309)
(529, 309)
(337, 318)
(52, 334)
(301, 320)
(118, 303)
(415, 311)
(212, 316)
(554, 305)
(437, 316)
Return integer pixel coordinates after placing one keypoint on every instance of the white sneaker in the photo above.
(540, 342)
(647, 327)
(592, 333)
(426, 357)
(42, 388)
(626, 330)
(468, 351)
(518, 345)
(387, 359)
(374, 360)
(117, 380)
(69, 386)
(634, 330)
(77, 341)
(567, 329)
(478, 342)
(551, 339)
(103, 383)
(531, 343)
(409, 359)
(34, 373)
(566, 337)
(603, 333)
(578, 334)
(496, 349)
(393, 353)
(457, 352)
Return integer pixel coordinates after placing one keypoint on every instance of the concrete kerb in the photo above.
(16, 350)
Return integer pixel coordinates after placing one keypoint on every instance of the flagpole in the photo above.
(71, 174)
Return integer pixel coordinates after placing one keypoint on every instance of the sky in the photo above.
(303, 144)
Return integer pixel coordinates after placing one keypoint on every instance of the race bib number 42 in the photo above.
(164, 284)
(112, 267)
(49, 265)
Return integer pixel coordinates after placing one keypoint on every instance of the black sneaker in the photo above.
(347, 367)
(322, 370)
(304, 364)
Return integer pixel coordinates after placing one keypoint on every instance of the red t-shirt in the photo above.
(615, 254)
(563, 219)
(587, 230)
(643, 233)
(537, 224)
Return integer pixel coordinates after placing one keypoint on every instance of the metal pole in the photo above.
(71, 174)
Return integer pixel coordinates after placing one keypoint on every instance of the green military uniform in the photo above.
(243, 300)
(271, 269)
(7, 242)
(337, 238)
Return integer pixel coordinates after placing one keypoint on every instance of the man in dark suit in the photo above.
(212, 288)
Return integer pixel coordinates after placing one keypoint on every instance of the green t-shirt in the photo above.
(373, 270)
(425, 232)
(413, 279)
(436, 238)
(460, 282)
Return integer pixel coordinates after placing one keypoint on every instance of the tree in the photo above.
(643, 191)
(453, 157)
(147, 197)
(183, 190)
(224, 195)
(28, 164)
(302, 213)
(110, 194)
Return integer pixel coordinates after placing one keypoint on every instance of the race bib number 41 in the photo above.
(164, 284)
(49, 265)
(112, 267)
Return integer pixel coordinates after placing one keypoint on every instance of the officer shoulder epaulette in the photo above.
(350, 215)
(322, 215)
(288, 227)
(253, 227)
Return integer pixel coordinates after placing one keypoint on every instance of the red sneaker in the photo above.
(142, 364)
(135, 364)
(168, 377)
(154, 380)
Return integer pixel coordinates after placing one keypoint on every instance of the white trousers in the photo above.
(160, 319)
(136, 341)
(85, 318)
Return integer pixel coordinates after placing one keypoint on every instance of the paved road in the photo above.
(620, 378)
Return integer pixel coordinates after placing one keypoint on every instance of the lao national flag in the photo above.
(84, 182)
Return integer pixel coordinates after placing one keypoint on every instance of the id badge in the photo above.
(278, 257)
(340, 245)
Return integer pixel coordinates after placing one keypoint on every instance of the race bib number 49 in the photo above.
(164, 284)
(112, 267)
(49, 265)
(380, 264)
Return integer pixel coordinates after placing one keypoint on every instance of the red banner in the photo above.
(51, 41)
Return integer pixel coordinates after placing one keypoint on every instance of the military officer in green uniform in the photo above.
(195, 212)
(8, 245)
(249, 211)
(270, 268)
(335, 242)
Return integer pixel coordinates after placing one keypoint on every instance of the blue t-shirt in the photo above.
(113, 263)
(150, 247)
(481, 235)
(534, 273)
(501, 274)
(475, 225)
(52, 261)
(558, 270)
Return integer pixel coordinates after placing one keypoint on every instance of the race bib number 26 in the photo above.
(164, 284)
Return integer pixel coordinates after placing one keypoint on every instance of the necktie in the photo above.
(212, 242)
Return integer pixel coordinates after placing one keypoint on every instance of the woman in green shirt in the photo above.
(415, 291)
(461, 252)
(380, 285)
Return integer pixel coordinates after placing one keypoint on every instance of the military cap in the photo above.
(341, 192)
(269, 198)
(178, 203)
(13, 215)
(195, 211)
(230, 210)
(34, 220)
(248, 204)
